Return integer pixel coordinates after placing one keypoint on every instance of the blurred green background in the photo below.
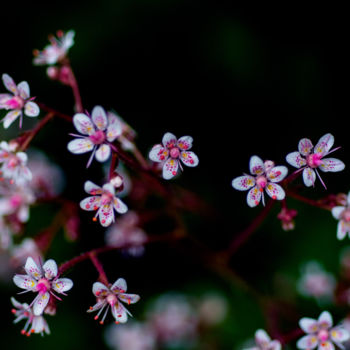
(242, 80)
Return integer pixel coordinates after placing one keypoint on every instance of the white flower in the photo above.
(171, 152)
(25, 312)
(99, 131)
(111, 297)
(18, 101)
(321, 333)
(265, 176)
(314, 158)
(342, 213)
(104, 201)
(264, 342)
(42, 280)
(57, 50)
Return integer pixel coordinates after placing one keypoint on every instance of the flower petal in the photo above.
(23, 90)
(326, 345)
(83, 124)
(253, 197)
(106, 215)
(185, 143)
(307, 342)
(325, 320)
(31, 109)
(91, 188)
(243, 183)
(25, 282)
(119, 286)
(170, 168)
(32, 268)
(40, 303)
(189, 158)
(99, 117)
(309, 177)
(336, 211)
(9, 83)
(261, 337)
(90, 203)
(275, 345)
(169, 140)
(10, 117)
(50, 269)
(3, 100)
(119, 313)
(99, 289)
(295, 159)
(97, 306)
(339, 334)
(277, 173)
(308, 325)
(119, 206)
(129, 298)
(62, 285)
(324, 144)
(158, 153)
(331, 164)
(79, 146)
(103, 152)
(113, 131)
(342, 229)
(275, 191)
(305, 146)
(256, 165)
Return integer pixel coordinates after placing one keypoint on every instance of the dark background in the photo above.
(241, 80)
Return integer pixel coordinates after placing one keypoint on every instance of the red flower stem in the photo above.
(54, 111)
(102, 275)
(138, 155)
(114, 163)
(75, 88)
(312, 202)
(36, 129)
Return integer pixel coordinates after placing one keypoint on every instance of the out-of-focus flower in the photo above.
(212, 309)
(321, 333)
(287, 218)
(342, 213)
(310, 158)
(264, 342)
(14, 164)
(21, 252)
(265, 176)
(5, 235)
(110, 297)
(126, 234)
(316, 282)
(17, 102)
(174, 320)
(171, 152)
(34, 323)
(57, 50)
(131, 336)
(100, 131)
(42, 280)
(104, 201)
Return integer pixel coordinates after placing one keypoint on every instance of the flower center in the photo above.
(43, 286)
(261, 182)
(15, 103)
(106, 198)
(313, 160)
(323, 335)
(111, 299)
(174, 152)
(15, 200)
(13, 161)
(98, 137)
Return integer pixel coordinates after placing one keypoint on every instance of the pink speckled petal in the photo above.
(23, 90)
(189, 158)
(325, 320)
(308, 325)
(106, 215)
(340, 334)
(83, 124)
(119, 286)
(25, 282)
(99, 289)
(185, 143)
(243, 183)
(129, 298)
(278, 173)
(256, 165)
(91, 203)
(307, 342)
(119, 313)
(50, 269)
(11, 116)
(40, 303)
(103, 153)
(170, 168)
(62, 285)
(31, 109)
(114, 130)
(9, 83)
(332, 165)
(119, 206)
(305, 146)
(158, 153)
(91, 188)
(99, 117)
(295, 159)
(3, 100)
(32, 268)
(169, 140)
(309, 177)
(254, 197)
(324, 144)
(79, 146)
(275, 191)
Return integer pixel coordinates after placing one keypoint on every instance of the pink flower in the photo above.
(321, 333)
(314, 158)
(34, 324)
(42, 280)
(265, 176)
(99, 131)
(14, 164)
(111, 297)
(104, 201)
(19, 100)
(58, 49)
(342, 213)
(171, 152)
(264, 342)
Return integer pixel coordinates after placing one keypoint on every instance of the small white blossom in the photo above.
(342, 213)
(264, 342)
